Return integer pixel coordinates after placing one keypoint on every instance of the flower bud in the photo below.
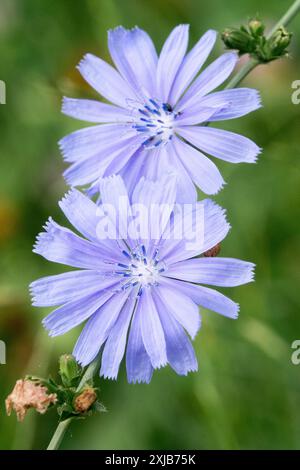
(238, 39)
(68, 368)
(256, 27)
(85, 400)
(279, 42)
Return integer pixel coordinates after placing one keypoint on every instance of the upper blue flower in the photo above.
(144, 288)
(157, 106)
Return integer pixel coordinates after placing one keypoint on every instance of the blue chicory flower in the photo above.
(137, 294)
(158, 114)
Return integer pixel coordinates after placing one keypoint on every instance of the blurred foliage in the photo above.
(247, 392)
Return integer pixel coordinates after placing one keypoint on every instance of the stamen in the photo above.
(154, 103)
(157, 121)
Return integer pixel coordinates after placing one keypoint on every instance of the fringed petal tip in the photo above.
(216, 191)
(70, 198)
(259, 151)
(257, 97)
(64, 103)
(44, 237)
(185, 373)
(68, 106)
(251, 272)
(108, 376)
(62, 148)
(212, 209)
(83, 61)
(235, 314)
(253, 152)
(140, 380)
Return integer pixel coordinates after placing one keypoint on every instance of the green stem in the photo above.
(242, 73)
(63, 425)
(286, 18)
(252, 63)
(59, 434)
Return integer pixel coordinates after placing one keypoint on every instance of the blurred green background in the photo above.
(247, 392)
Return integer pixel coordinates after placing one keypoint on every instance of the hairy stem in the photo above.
(252, 63)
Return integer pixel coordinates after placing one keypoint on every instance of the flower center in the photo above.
(156, 120)
(141, 269)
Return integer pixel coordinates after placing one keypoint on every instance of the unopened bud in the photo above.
(85, 400)
(279, 42)
(68, 368)
(27, 394)
(238, 39)
(256, 27)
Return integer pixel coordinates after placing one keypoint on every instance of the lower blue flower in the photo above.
(139, 294)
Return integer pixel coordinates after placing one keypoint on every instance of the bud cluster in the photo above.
(70, 398)
(250, 39)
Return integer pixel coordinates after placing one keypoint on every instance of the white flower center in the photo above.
(145, 272)
(157, 122)
(140, 270)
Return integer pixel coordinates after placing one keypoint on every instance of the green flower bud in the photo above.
(68, 368)
(256, 27)
(238, 39)
(279, 42)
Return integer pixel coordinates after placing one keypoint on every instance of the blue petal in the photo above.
(180, 352)
(115, 345)
(241, 101)
(106, 80)
(204, 225)
(61, 245)
(94, 111)
(202, 171)
(170, 59)
(191, 65)
(115, 200)
(73, 313)
(226, 272)
(134, 55)
(226, 145)
(183, 309)
(213, 76)
(66, 287)
(102, 163)
(94, 140)
(155, 199)
(98, 328)
(198, 114)
(168, 158)
(205, 297)
(82, 213)
(152, 331)
(138, 364)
